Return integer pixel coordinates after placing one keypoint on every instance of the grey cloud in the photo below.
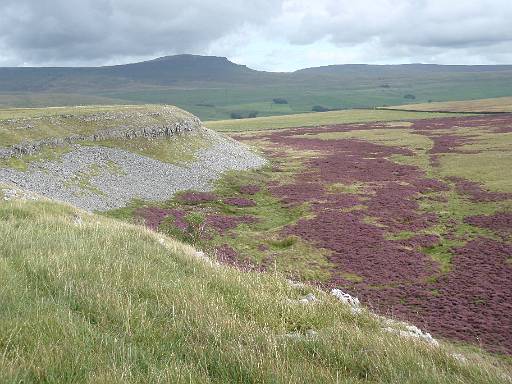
(81, 31)
(72, 32)
(422, 23)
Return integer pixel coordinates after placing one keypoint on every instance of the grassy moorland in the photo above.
(412, 216)
(316, 119)
(87, 299)
(499, 104)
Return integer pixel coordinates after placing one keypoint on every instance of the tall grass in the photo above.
(86, 299)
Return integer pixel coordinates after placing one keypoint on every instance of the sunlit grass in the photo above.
(95, 300)
(499, 104)
(315, 119)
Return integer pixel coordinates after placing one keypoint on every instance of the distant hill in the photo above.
(215, 88)
(379, 70)
(169, 70)
(183, 68)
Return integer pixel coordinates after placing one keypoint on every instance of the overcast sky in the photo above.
(277, 35)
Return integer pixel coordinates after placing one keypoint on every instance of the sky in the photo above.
(274, 35)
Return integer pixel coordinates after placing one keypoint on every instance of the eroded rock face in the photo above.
(166, 129)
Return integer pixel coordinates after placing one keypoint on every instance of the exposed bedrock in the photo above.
(101, 178)
(149, 132)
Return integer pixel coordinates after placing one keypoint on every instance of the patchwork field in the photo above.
(317, 119)
(498, 104)
(414, 217)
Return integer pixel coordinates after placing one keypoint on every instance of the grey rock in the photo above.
(134, 176)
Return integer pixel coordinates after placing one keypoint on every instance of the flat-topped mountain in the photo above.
(163, 71)
(183, 68)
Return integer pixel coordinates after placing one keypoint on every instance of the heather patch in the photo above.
(239, 202)
(476, 193)
(448, 143)
(227, 255)
(493, 123)
(194, 197)
(249, 189)
(154, 216)
(223, 223)
(373, 213)
(361, 249)
(420, 241)
(500, 222)
(474, 302)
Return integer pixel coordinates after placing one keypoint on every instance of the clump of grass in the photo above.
(352, 277)
(283, 243)
(83, 180)
(180, 149)
(346, 188)
(45, 154)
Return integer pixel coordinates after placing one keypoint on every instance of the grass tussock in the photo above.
(88, 299)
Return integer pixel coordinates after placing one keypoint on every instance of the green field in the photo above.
(214, 88)
(340, 94)
(499, 104)
(316, 119)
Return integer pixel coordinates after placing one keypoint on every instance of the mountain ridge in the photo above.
(215, 88)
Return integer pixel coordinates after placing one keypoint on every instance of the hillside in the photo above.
(89, 299)
(100, 158)
(411, 215)
(214, 88)
(408, 214)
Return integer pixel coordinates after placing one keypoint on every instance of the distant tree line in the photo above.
(319, 108)
(241, 115)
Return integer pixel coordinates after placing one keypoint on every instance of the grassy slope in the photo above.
(25, 124)
(315, 119)
(499, 104)
(223, 99)
(107, 302)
